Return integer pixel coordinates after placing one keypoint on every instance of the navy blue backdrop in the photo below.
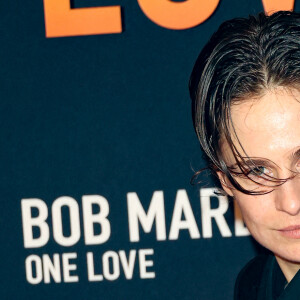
(109, 115)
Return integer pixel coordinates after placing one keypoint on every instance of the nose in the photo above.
(288, 197)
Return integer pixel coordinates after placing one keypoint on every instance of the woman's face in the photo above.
(269, 131)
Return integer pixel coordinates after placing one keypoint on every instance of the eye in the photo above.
(259, 173)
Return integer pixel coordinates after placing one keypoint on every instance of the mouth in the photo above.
(291, 231)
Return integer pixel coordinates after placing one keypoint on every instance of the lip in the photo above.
(291, 231)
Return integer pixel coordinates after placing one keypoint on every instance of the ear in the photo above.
(224, 182)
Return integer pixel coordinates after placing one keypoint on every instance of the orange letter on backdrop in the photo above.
(61, 20)
(271, 6)
(178, 15)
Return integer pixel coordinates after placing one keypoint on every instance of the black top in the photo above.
(262, 279)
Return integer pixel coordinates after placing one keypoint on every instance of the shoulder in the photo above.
(249, 279)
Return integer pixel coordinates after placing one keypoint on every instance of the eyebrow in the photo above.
(257, 161)
(248, 161)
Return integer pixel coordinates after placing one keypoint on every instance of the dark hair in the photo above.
(244, 58)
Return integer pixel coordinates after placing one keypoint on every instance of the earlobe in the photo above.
(225, 186)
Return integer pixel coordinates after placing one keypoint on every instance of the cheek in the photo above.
(256, 210)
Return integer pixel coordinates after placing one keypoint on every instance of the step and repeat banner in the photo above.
(98, 149)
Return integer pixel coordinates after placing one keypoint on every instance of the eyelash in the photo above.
(255, 172)
(252, 174)
(259, 176)
(267, 174)
(261, 173)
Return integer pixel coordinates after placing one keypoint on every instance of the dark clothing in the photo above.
(262, 279)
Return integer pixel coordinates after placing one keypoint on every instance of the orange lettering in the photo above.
(178, 15)
(272, 6)
(61, 20)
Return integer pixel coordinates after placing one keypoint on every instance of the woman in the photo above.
(245, 90)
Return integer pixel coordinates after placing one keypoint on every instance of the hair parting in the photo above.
(244, 59)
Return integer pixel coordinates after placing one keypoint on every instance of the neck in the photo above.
(288, 268)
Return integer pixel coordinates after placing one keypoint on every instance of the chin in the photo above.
(290, 255)
(287, 249)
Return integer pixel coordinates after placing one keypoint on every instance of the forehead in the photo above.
(267, 127)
